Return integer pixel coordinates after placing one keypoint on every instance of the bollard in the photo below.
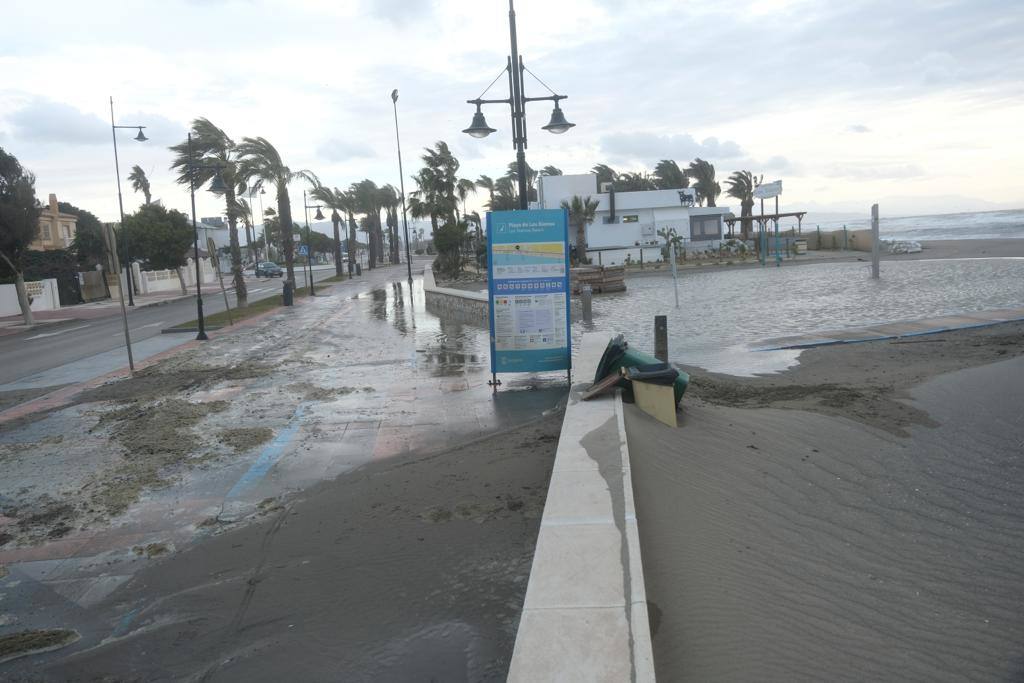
(587, 299)
(287, 293)
(661, 338)
(359, 269)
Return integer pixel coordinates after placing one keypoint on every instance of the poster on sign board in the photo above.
(528, 290)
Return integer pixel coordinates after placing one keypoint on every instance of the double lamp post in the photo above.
(517, 102)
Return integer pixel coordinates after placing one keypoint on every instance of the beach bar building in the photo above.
(626, 224)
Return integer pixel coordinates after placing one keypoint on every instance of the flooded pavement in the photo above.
(725, 313)
(138, 474)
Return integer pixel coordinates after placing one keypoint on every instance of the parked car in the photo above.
(268, 269)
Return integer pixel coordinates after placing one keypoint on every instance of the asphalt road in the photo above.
(52, 345)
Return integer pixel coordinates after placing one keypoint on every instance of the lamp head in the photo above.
(218, 186)
(394, 95)
(140, 137)
(319, 214)
(479, 127)
(558, 124)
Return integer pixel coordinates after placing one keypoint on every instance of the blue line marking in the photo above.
(270, 455)
(126, 621)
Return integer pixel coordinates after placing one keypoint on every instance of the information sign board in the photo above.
(528, 290)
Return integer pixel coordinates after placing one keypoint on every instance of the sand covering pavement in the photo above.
(855, 518)
(411, 568)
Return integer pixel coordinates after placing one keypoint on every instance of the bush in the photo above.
(418, 252)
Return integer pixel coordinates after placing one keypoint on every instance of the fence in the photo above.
(43, 295)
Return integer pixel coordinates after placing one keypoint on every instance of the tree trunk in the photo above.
(181, 280)
(19, 287)
(241, 296)
(352, 242)
(581, 243)
(336, 222)
(23, 302)
(284, 212)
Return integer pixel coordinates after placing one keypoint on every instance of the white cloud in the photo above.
(341, 150)
(650, 148)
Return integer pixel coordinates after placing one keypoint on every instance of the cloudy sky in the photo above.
(915, 104)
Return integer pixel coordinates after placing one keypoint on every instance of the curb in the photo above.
(585, 612)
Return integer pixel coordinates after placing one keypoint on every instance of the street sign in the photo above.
(303, 250)
(528, 290)
(296, 237)
(768, 190)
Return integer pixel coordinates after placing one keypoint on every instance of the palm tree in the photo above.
(550, 170)
(741, 185)
(366, 197)
(581, 214)
(531, 180)
(215, 152)
(259, 162)
(244, 211)
(707, 187)
(390, 201)
(605, 174)
(336, 201)
(140, 183)
(436, 187)
(634, 182)
(504, 198)
(462, 189)
(669, 176)
(487, 183)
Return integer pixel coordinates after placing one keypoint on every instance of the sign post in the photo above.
(528, 291)
(212, 249)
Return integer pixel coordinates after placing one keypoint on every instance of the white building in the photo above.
(627, 223)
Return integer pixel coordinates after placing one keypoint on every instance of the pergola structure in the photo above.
(763, 218)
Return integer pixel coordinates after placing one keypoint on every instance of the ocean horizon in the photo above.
(1003, 224)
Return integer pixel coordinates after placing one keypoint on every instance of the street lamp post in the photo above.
(401, 182)
(517, 102)
(217, 186)
(120, 202)
(309, 238)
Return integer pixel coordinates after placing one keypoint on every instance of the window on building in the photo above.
(45, 231)
(631, 219)
(703, 228)
(65, 230)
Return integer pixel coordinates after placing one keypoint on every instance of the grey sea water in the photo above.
(948, 226)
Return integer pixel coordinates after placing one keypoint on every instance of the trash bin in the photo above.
(800, 246)
(350, 269)
(618, 355)
(288, 293)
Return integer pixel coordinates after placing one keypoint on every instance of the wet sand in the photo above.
(807, 537)
(411, 568)
(966, 249)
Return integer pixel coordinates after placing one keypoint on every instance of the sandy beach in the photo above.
(855, 518)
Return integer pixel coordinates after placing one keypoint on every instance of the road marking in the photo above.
(54, 334)
(142, 327)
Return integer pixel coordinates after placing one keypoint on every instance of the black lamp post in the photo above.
(120, 202)
(309, 237)
(401, 182)
(217, 186)
(517, 102)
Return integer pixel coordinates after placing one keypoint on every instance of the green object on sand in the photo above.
(618, 354)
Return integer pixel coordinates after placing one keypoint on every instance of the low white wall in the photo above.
(152, 281)
(43, 294)
(470, 307)
(585, 613)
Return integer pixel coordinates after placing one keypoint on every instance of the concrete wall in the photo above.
(91, 283)
(43, 294)
(456, 304)
(585, 615)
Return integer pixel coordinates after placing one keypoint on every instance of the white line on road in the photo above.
(142, 327)
(54, 334)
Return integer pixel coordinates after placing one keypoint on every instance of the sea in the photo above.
(980, 225)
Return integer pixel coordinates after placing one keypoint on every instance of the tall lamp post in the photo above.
(217, 186)
(309, 237)
(517, 102)
(120, 202)
(401, 182)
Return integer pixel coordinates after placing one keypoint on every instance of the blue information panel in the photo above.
(528, 286)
